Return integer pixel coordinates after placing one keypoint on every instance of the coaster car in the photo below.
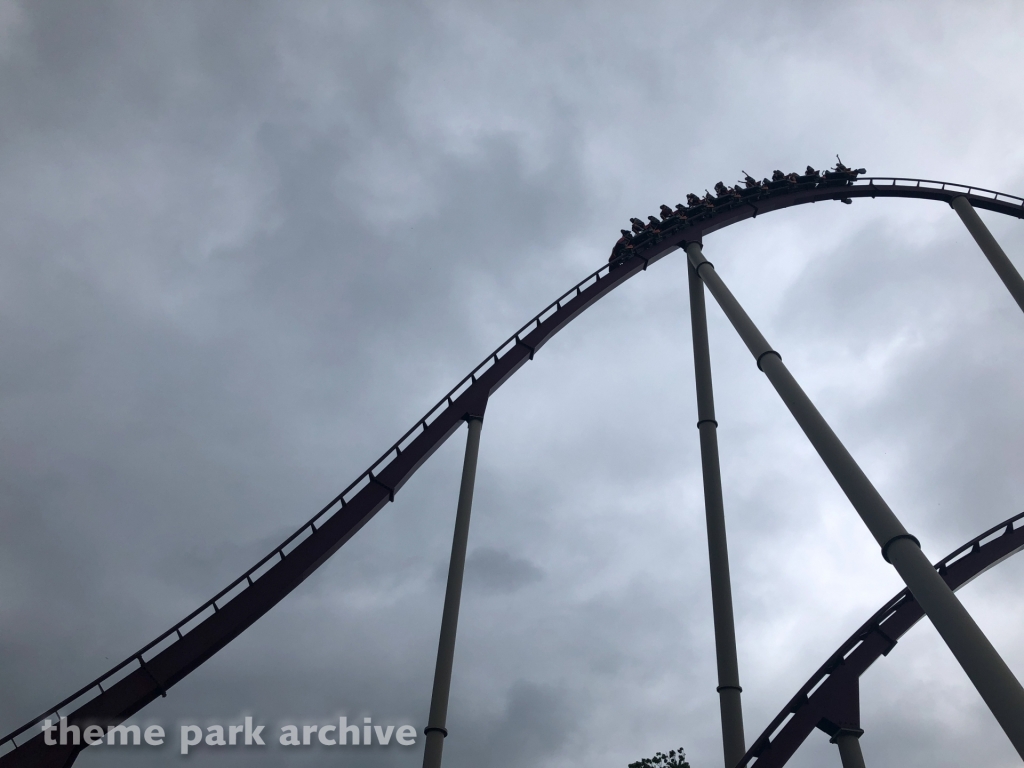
(724, 195)
(781, 181)
(697, 208)
(751, 186)
(810, 176)
(841, 174)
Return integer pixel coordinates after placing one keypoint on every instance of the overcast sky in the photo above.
(244, 246)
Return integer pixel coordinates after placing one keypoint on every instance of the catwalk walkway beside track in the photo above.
(149, 673)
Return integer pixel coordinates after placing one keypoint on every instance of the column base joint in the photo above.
(893, 540)
(763, 355)
(855, 732)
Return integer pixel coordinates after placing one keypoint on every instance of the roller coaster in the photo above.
(829, 701)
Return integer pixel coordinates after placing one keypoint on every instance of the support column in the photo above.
(995, 682)
(997, 257)
(718, 550)
(848, 741)
(435, 732)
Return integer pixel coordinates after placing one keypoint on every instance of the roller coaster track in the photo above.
(152, 670)
(830, 699)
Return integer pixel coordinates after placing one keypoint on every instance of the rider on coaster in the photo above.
(621, 245)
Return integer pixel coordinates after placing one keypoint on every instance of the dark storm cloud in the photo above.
(495, 570)
(244, 246)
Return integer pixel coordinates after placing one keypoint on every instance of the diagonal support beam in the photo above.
(729, 690)
(990, 247)
(1000, 690)
(436, 729)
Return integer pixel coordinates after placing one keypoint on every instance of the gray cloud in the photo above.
(495, 570)
(245, 245)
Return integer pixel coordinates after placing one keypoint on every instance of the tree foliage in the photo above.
(676, 758)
